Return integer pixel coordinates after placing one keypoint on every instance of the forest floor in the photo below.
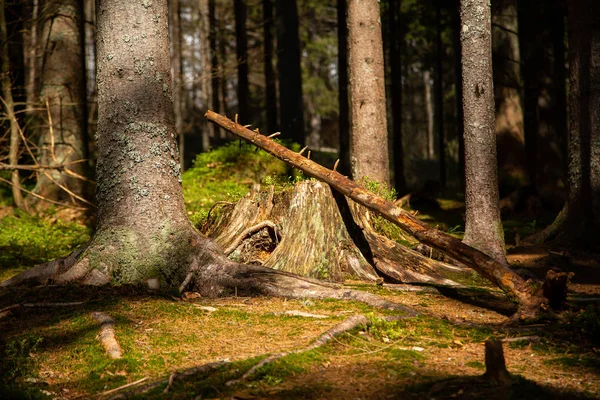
(54, 351)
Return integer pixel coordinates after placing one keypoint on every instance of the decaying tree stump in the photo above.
(311, 231)
(495, 366)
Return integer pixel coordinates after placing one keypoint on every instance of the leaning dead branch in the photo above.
(107, 335)
(529, 295)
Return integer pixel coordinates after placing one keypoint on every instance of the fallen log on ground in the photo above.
(529, 294)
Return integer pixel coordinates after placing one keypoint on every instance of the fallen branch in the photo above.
(530, 298)
(347, 325)
(296, 313)
(107, 335)
(123, 387)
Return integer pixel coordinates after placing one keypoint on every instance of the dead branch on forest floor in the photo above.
(107, 335)
(348, 324)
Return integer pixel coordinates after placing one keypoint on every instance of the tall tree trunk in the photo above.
(177, 91)
(429, 112)
(532, 54)
(439, 95)
(241, 48)
(507, 83)
(584, 123)
(9, 105)
(207, 82)
(64, 90)
(483, 228)
(288, 64)
(344, 105)
(31, 48)
(369, 137)
(458, 95)
(396, 39)
(557, 11)
(270, 79)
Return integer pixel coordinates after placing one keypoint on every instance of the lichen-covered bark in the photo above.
(63, 89)
(369, 155)
(483, 228)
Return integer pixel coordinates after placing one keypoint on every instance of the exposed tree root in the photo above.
(347, 325)
(107, 335)
(551, 230)
(185, 374)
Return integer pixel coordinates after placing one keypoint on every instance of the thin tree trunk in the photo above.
(270, 79)
(560, 78)
(31, 59)
(241, 48)
(483, 228)
(15, 139)
(63, 91)
(369, 136)
(439, 96)
(532, 54)
(507, 84)
(288, 64)
(429, 112)
(458, 95)
(344, 105)
(175, 23)
(396, 39)
(207, 70)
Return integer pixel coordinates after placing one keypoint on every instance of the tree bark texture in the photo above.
(241, 48)
(9, 106)
(584, 122)
(528, 294)
(344, 104)
(64, 91)
(507, 83)
(369, 154)
(270, 78)
(396, 40)
(429, 112)
(290, 75)
(483, 228)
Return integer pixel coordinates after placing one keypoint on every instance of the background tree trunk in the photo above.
(429, 112)
(9, 106)
(396, 39)
(532, 54)
(241, 49)
(483, 228)
(207, 69)
(439, 95)
(270, 78)
(176, 66)
(507, 85)
(369, 137)
(290, 74)
(64, 90)
(344, 104)
(458, 96)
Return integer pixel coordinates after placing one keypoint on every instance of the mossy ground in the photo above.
(54, 352)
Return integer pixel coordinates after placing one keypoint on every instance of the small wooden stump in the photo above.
(495, 366)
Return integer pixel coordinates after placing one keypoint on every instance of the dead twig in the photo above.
(123, 387)
(58, 203)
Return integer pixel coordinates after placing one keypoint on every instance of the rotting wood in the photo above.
(248, 231)
(531, 299)
(107, 335)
